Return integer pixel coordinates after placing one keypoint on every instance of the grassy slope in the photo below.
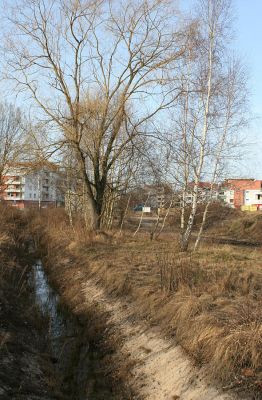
(246, 226)
(210, 302)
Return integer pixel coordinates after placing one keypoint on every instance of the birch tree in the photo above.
(204, 113)
(211, 21)
(231, 116)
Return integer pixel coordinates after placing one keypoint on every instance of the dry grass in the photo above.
(217, 214)
(210, 301)
(23, 375)
(217, 309)
(244, 225)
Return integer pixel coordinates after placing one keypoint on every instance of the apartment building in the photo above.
(245, 192)
(28, 185)
(240, 193)
(206, 192)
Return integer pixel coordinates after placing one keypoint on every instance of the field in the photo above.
(209, 301)
(140, 300)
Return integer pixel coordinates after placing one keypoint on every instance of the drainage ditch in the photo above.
(77, 363)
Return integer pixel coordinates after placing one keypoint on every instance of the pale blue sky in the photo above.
(248, 41)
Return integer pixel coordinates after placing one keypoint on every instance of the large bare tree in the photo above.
(98, 71)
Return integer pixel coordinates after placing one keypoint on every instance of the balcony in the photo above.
(13, 182)
(13, 198)
(14, 190)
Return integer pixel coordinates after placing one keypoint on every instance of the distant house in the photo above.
(244, 192)
(206, 192)
(28, 185)
(241, 193)
(158, 196)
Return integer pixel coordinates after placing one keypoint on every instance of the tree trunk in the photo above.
(152, 234)
(199, 235)
(185, 236)
(124, 214)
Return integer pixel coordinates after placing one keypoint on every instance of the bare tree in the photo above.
(11, 135)
(211, 17)
(231, 117)
(208, 112)
(97, 70)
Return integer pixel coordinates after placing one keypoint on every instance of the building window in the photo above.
(30, 195)
(259, 196)
(231, 200)
(34, 196)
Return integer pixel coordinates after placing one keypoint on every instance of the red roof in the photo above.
(204, 185)
(34, 165)
(243, 183)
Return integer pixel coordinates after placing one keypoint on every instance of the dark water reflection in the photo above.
(75, 362)
(48, 301)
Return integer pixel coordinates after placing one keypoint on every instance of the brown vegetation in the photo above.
(217, 214)
(209, 301)
(244, 226)
(26, 370)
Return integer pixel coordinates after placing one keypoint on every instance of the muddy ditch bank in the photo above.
(26, 367)
(76, 358)
(109, 371)
(47, 351)
(144, 363)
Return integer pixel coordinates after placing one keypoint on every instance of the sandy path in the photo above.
(162, 371)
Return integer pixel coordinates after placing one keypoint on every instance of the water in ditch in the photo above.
(74, 359)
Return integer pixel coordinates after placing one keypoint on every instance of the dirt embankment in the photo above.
(26, 370)
(151, 366)
(141, 300)
(246, 226)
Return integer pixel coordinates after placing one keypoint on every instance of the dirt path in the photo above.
(161, 371)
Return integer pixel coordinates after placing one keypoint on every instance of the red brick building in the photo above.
(246, 191)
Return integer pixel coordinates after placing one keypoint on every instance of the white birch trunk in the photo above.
(187, 234)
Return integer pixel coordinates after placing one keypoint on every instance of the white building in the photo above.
(26, 185)
(253, 197)
(227, 196)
